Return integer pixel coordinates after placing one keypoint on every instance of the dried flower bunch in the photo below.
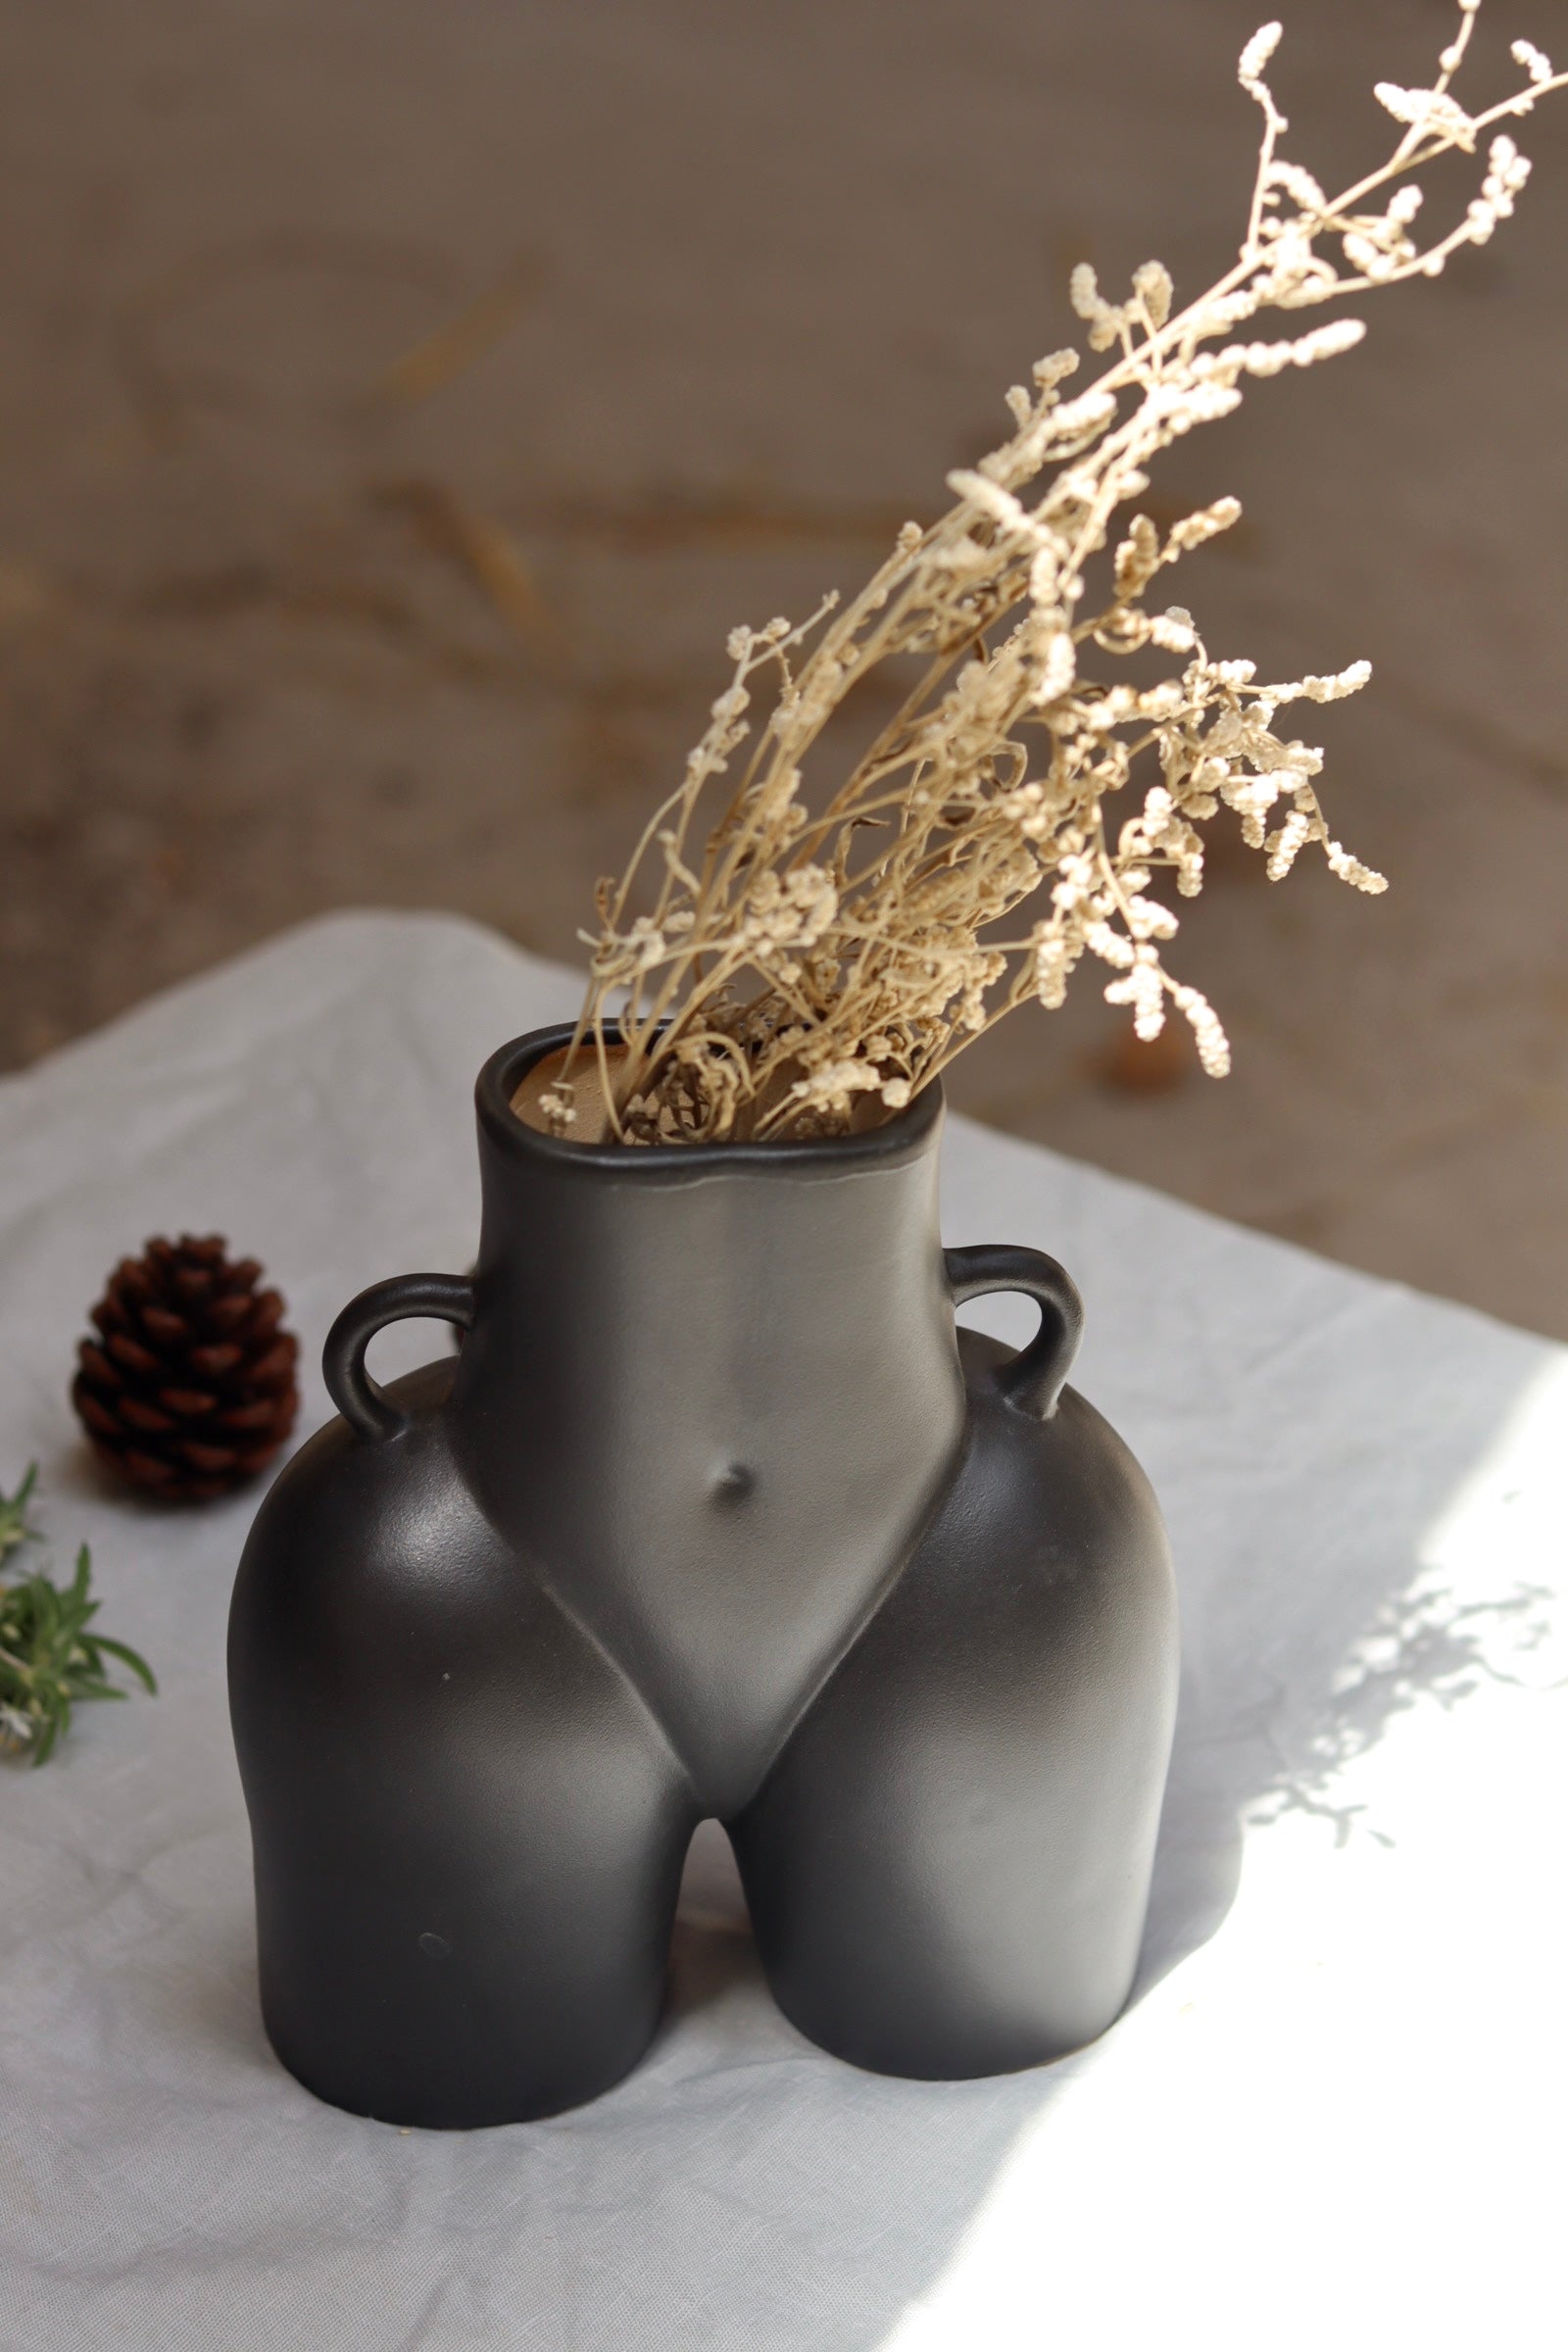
(793, 971)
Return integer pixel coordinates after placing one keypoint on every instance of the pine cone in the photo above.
(188, 1388)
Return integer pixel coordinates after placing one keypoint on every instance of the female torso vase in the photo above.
(715, 1514)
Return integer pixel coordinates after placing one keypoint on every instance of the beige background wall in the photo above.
(400, 402)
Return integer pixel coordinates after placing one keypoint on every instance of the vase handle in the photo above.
(364, 1406)
(1035, 1377)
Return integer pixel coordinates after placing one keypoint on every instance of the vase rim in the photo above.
(894, 1142)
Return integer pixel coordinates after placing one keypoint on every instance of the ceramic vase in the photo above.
(716, 1513)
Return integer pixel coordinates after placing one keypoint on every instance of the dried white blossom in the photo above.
(1507, 173)
(1350, 869)
(1107, 320)
(1213, 1047)
(1207, 523)
(1291, 179)
(1429, 112)
(1325, 690)
(1155, 290)
(1256, 55)
(1057, 670)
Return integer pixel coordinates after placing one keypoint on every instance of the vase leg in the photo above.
(469, 1831)
(468, 1853)
(452, 1977)
(948, 1866)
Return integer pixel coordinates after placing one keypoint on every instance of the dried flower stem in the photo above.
(791, 966)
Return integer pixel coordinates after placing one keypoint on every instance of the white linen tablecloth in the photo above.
(1331, 2116)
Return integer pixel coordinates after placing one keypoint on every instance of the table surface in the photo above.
(1329, 2114)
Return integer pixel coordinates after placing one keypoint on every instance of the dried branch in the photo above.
(794, 969)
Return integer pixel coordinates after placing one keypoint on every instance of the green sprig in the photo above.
(13, 1528)
(48, 1658)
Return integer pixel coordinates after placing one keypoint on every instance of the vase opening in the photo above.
(591, 1126)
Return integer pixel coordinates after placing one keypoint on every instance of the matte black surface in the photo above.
(715, 1514)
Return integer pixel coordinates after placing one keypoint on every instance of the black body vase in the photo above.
(716, 1512)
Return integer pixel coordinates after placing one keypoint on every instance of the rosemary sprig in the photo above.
(13, 1528)
(48, 1658)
